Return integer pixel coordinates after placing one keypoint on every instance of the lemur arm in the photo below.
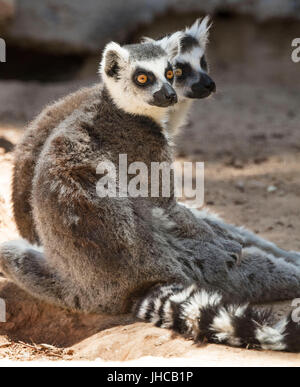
(245, 237)
(190, 226)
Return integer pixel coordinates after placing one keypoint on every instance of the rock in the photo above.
(234, 162)
(36, 331)
(75, 26)
(21, 101)
(272, 188)
(240, 185)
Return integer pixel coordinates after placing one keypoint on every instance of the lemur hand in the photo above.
(234, 249)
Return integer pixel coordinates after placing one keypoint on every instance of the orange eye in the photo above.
(142, 78)
(178, 72)
(170, 74)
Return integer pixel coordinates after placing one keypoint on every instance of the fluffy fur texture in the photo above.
(28, 151)
(101, 254)
(205, 315)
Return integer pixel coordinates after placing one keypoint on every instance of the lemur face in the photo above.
(191, 68)
(139, 77)
(188, 60)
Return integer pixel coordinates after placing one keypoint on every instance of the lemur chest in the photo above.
(144, 167)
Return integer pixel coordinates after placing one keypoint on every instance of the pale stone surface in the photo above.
(85, 26)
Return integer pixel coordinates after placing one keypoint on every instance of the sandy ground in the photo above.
(248, 136)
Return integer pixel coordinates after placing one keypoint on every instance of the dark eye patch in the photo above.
(150, 77)
(186, 69)
(203, 63)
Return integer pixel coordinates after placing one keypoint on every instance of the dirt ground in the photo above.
(248, 136)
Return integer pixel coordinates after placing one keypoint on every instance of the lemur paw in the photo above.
(234, 249)
(11, 253)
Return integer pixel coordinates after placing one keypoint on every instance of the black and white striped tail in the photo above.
(205, 315)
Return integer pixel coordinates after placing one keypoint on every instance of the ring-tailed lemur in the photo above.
(102, 254)
(186, 50)
(98, 253)
(190, 67)
(192, 82)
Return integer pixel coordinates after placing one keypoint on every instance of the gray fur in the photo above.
(100, 254)
(144, 52)
(106, 250)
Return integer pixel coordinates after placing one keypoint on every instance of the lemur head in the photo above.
(139, 78)
(188, 60)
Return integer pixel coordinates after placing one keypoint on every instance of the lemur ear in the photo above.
(171, 43)
(114, 56)
(145, 39)
(200, 30)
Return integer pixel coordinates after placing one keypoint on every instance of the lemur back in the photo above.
(27, 153)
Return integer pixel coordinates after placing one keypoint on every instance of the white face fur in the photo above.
(188, 60)
(138, 78)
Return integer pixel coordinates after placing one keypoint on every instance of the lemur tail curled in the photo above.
(205, 315)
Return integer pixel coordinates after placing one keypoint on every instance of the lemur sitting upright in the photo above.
(28, 151)
(103, 254)
(186, 51)
(100, 252)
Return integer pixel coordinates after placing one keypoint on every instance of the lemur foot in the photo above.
(12, 254)
(225, 258)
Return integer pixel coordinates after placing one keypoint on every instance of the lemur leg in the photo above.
(27, 267)
(261, 278)
(245, 237)
(190, 225)
(263, 274)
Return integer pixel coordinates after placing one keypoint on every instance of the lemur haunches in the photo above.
(104, 254)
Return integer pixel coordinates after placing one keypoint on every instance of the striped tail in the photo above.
(205, 315)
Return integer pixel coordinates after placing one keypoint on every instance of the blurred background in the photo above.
(248, 134)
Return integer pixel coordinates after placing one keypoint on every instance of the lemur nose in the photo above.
(208, 83)
(165, 97)
(170, 93)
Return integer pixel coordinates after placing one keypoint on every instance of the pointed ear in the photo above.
(145, 39)
(171, 44)
(200, 30)
(114, 57)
